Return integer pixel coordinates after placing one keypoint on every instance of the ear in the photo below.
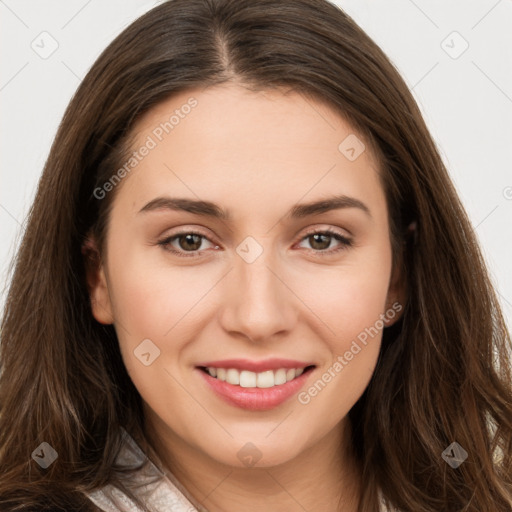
(397, 294)
(97, 285)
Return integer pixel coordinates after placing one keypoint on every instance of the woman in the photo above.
(247, 283)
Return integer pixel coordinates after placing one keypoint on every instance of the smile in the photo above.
(255, 385)
(248, 379)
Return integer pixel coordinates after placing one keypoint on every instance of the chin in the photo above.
(259, 450)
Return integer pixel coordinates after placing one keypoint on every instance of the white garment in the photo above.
(158, 492)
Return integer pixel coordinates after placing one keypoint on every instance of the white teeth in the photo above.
(233, 377)
(265, 379)
(247, 379)
(280, 377)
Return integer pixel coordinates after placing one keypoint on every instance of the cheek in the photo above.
(353, 352)
(155, 301)
(350, 302)
(150, 298)
(351, 313)
(347, 299)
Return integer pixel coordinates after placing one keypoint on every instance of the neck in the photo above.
(323, 477)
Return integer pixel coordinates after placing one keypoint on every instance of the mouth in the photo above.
(249, 379)
(255, 386)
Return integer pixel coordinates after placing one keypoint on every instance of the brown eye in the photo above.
(320, 241)
(186, 244)
(190, 242)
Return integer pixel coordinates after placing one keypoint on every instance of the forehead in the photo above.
(253, 149)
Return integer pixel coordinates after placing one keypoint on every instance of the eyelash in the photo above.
(344, 241)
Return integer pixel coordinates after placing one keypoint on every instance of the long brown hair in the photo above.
(444, 371)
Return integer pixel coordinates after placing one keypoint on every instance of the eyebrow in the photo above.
(209, 209)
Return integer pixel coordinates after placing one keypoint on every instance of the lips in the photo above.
(255, 385)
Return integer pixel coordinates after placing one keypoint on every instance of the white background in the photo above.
(466, 101)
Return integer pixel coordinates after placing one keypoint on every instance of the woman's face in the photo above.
(213, 267)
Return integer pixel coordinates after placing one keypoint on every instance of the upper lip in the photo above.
(255, 366)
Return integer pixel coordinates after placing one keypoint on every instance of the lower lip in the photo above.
(255, 399)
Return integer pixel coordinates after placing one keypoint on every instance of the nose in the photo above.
(259, 304)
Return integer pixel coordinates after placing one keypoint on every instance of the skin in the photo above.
(256, 154)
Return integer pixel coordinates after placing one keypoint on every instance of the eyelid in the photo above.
(328, 229)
